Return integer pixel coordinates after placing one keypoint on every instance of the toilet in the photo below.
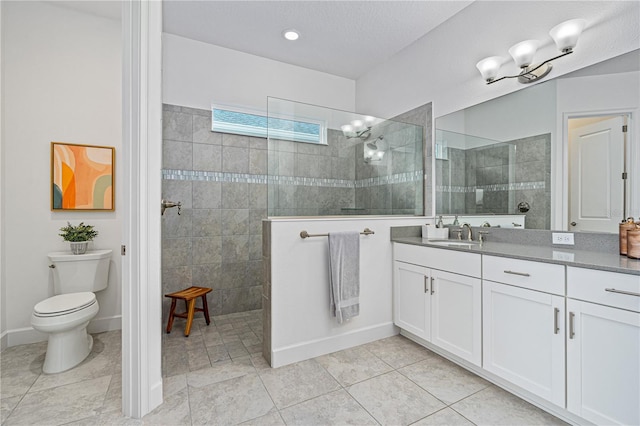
(66, 315)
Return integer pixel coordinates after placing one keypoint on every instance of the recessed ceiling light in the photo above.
(291, 35)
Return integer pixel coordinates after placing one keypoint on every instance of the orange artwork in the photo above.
(81, 177)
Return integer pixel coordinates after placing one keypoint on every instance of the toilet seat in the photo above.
(64, 304)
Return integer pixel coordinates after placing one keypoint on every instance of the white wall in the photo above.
(440, 67)
(61, 82)
(302, 326)
(3, 298)
(197, 74)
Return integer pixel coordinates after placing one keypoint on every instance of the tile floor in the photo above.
(217, 376)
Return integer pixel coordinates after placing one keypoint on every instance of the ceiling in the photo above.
(343, 38)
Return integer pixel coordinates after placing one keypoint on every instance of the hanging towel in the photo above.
(344, 274)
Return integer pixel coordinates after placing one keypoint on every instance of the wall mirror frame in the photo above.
(467, 173)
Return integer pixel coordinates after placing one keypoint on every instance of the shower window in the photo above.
(243, 123)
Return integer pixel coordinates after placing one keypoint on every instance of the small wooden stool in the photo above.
(189, 296)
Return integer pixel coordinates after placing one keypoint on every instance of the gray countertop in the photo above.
(604, 261)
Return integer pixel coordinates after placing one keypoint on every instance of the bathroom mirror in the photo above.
(513, 154)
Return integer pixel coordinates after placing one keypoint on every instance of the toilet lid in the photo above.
(64, 303)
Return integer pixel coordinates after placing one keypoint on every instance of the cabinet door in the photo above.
(603, 363)
(523, 334)
(410, 299)
(456, 314)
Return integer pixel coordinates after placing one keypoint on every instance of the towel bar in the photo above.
(305, 234)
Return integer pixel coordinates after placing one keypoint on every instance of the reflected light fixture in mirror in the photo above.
(358, 128)
(565, 36)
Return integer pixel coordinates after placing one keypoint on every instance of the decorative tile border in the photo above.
(514, 186)
(193, 175)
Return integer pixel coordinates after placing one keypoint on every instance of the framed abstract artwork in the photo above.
(82, 177)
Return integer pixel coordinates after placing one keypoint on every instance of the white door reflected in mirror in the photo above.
(596, 165)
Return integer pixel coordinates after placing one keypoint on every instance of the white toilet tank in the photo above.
(73, 273)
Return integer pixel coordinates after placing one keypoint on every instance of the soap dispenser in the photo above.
(455, 221)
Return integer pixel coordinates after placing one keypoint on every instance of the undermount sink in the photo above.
(453, 243)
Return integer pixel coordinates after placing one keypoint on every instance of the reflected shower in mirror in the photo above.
(479, 176)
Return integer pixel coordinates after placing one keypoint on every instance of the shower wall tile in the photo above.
(235, 248)
(177, 155)
(177, 225)
(207, 157)
(258, 196)
(245, 299)
(255, 247)
(255, 220)
(235, 222)
(193, 242)
(234, 159)
(176, 252)
(257, 143)
(258, 162)
(206, 250)
(342, 168)
(207, 195)
(235, 195)
(207, 275)
(176, 279)
(176, 190)
(206, 222)
(233, 275)
(177, 126)
(238, 141)
(202, 131)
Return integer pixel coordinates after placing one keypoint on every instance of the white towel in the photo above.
(344, 274)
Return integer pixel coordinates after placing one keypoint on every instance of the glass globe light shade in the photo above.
(566, 34)
(489, 67)
(523, 52)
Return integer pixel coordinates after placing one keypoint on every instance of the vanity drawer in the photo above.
(539, 276)
(605, 288)
(446, 260)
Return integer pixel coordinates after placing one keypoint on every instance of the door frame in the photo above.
(560, 218)
(142, 158)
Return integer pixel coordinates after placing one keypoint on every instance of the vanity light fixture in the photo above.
(358, 128)
(291, 35)
(565, 35)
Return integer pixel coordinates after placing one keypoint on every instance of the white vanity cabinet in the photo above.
(523, 325)
(603, 346)
(437, 297)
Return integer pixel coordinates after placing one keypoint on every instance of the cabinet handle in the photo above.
(432, 289)
(571, 325)
(630, 293)
(425, 284)
(556, 329)
(522, 274)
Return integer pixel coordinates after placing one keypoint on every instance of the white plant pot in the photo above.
(79, 247)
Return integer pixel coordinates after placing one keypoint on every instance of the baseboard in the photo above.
(4, 341)
(26, 335)
(100, 325)
(327, 345)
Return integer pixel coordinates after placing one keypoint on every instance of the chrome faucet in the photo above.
(470, 234)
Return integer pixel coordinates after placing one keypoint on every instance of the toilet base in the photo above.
(67, 349)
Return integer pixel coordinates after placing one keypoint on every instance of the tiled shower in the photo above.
(222, 181)
(494, 178)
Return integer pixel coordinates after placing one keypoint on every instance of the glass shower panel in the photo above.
(361, 165)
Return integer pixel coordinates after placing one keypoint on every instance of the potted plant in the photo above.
(78, 236)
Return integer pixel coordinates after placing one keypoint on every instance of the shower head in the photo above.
(372, 145)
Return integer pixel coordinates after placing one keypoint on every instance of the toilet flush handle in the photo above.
(52, 266)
